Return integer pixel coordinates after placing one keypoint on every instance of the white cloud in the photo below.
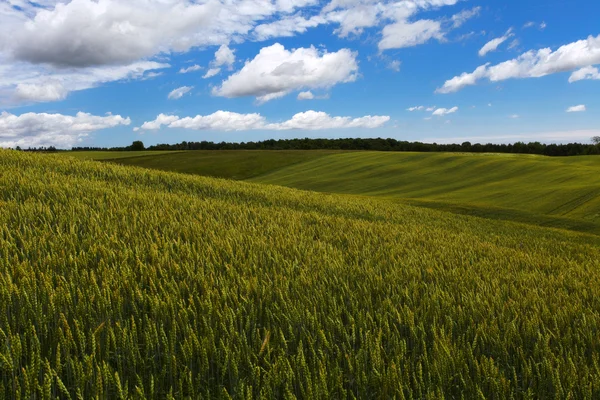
(444, 111)
(416, 108)
(286, 27)
(24, 83)
(84, 33)
(211, 72)
(51, 90)
(458, 82)
(315, 120)
(408, 34)
(579, 108)
(533, 64)
(493, 44)
(459, 19)
(585, 73)
(395, 65)
(275, 72)
(78, 40)
(514, 116)
(403, 32)
(231, 121)
(221, 121)
(161, 120)
(63, 131)
(529, 24)
(224, 56)
(306, 95)
(543, 25)
(193, 68)
(354, 20)
(179, 92)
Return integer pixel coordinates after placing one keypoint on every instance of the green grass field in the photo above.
(559, 192)
(111, 155)
(119, 282)
(231, 164)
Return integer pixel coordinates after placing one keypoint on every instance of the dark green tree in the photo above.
(138, 145)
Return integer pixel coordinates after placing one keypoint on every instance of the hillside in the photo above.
(232, 164)
(132, 283)
(559, 192)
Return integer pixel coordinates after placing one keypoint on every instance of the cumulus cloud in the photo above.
(193, 68)
(221, 121)
(416, 108)
(224, 56)
(231, 121)
(179, 92)
(63, 131)
(444, 111)
(161, 120)
(275, 72)
(83, 33)
(579, 108)
(533, 64)
(306, 95)
(585, 73)
(493, 44)
(79, 39)
(51, 90)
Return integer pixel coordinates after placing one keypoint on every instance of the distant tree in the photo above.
(596, 140)
(18, 148)
(138, 145)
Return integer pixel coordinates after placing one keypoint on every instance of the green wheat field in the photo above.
(324, 275)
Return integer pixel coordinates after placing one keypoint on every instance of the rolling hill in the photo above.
(560, 192)
(125, 282)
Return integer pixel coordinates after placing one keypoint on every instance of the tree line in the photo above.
(379, 144)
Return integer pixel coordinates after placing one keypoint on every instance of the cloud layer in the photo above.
(231, 121)
(63, 131)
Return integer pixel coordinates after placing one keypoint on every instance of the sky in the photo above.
(109, 72)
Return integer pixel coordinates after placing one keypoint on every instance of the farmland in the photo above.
(559, 192)
(133, 283)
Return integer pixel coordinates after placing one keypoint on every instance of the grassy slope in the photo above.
(560, 192)
(111, 155)
(232, 164)
(122, 282)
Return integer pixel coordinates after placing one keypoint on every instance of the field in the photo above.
(559, 192)
(232, 164)
(123, 282)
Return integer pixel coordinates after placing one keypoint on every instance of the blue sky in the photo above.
(107, 72)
